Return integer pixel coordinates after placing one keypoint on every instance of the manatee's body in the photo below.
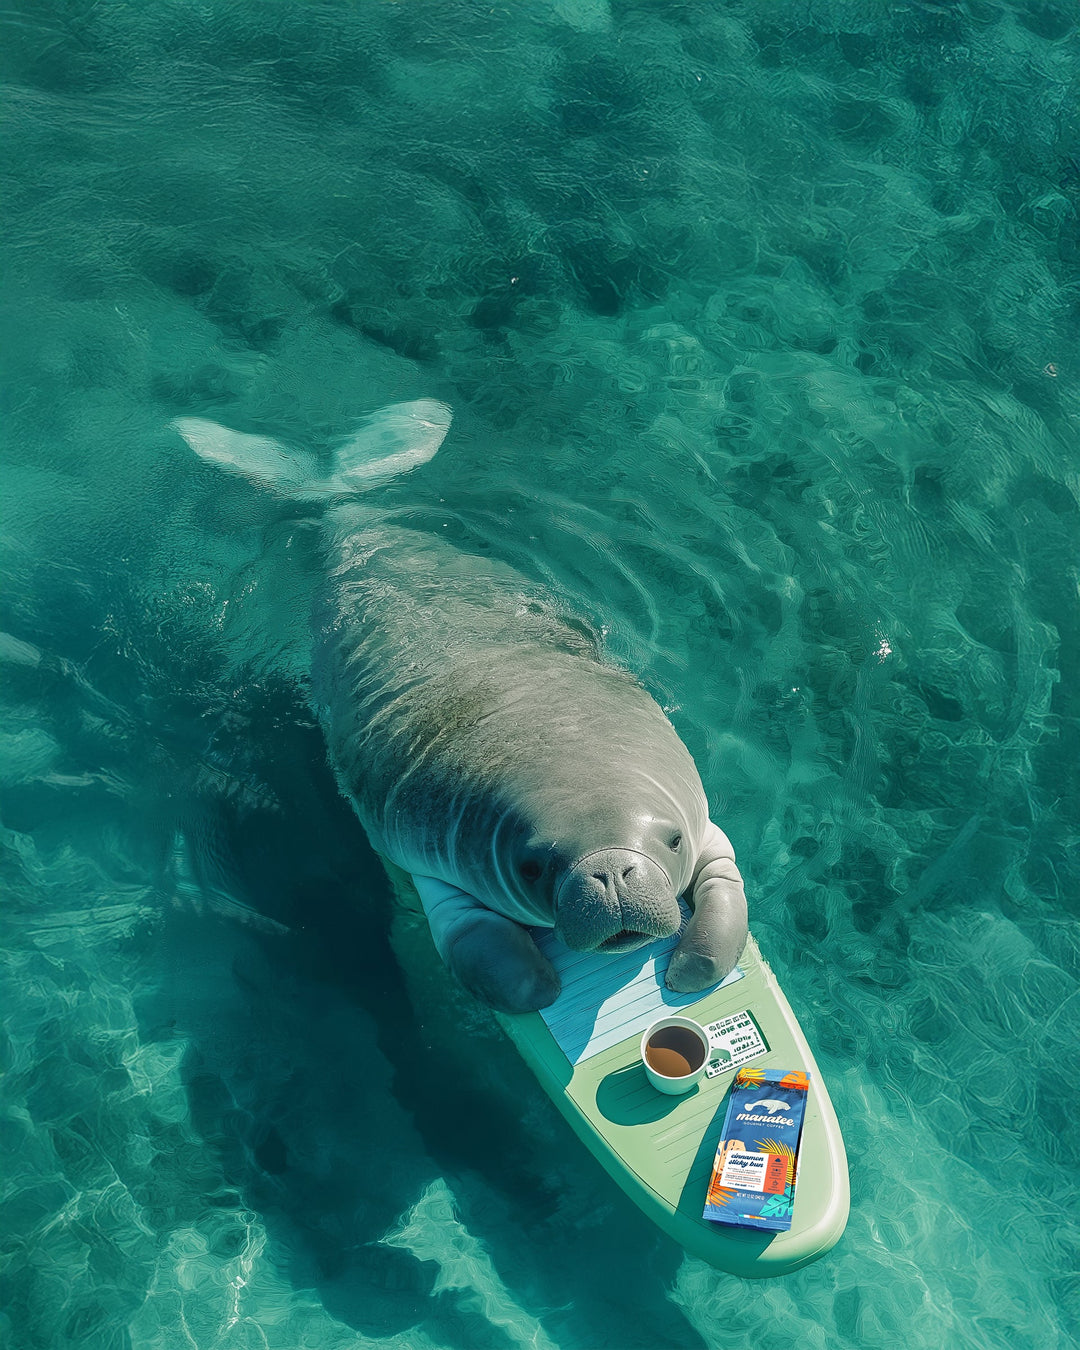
(491, 753)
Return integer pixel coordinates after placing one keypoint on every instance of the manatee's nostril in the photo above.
(613, 874)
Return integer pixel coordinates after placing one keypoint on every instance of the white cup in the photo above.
(676, 1084)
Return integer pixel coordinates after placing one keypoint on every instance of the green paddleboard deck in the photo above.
(660, 1149)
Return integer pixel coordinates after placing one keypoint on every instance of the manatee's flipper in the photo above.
(492, 956)
(716, 933)
(387, 443)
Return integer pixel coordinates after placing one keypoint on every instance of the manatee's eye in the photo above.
(676, 843)
(530, 869)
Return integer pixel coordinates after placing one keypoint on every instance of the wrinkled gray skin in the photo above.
(486, 747)
(484, 744)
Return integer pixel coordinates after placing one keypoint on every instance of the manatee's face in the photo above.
(617, 900)
(574, 804)
(603, 820)
(612, 880)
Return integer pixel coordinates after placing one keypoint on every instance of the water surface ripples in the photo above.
(759, 327)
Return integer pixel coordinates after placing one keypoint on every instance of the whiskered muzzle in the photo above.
(625, 941)
(615, 901)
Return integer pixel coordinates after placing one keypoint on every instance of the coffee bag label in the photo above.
(754, 1172)
(765, 1172)
(740, 1040)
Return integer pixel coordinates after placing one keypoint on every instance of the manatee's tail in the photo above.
(388, 443)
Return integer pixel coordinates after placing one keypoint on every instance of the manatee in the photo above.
(486, 746)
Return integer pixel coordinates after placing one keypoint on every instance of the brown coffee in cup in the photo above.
(675, 1051)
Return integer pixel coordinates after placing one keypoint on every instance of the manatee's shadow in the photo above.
(296, 1016)
(334, 1094)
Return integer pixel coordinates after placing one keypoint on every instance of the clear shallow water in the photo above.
(760, 330)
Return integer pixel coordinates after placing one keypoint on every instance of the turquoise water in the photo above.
(759, 323)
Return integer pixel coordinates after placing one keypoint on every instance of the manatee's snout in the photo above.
(614, 901)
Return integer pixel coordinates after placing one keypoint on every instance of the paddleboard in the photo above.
(660, 1149)
(585, 1053)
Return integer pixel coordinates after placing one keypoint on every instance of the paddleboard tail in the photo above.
(388, 443)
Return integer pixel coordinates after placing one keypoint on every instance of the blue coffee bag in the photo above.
(753, 1177)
